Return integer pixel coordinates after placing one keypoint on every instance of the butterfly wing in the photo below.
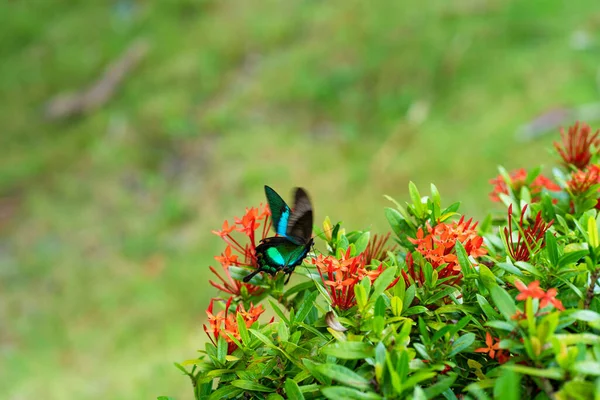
(300, 221)
(280, 212)
(278, 253)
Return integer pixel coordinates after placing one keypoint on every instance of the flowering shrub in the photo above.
(444, 308)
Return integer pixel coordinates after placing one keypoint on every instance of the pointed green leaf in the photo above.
(292, 390)
(340, 392)
(344, 375)
(349, 350)
(503, 301)
(305, 307)
(251, 386)
(462, 343)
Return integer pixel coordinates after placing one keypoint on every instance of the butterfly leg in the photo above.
(289, 274)
(251, 275)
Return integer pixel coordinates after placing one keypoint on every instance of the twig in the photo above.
(589, 295)
(66, 105)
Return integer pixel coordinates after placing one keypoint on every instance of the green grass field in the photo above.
(106, 217)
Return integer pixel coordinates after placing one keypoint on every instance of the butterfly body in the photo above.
(279, 254)
(294, 227)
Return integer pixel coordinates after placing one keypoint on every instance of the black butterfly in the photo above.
(294, 227)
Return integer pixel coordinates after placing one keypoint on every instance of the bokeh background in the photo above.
(130, 129)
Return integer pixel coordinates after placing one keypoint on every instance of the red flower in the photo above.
(340, 276)
(550, 297)
(491, 346)
(582, 180)
(246, 254)
(530, 239)
(493, 349)
(438, 246)
(535, 292)
(226, 322)
(517, 181)
(377, 249)
(576, 145)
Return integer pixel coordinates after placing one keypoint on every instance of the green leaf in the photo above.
(487, 277)
(292, 390)
(551, 248)
(349, 350)
(589, 316)
(221, 349)
(507, 386)
(441, 294)
(440, 386)
(415, 310)
(462, 343)
(340, 392)
(435, 195)
(282, 331)
(298, 288)
(362, 242)
(529, 268)
(249, 385)
(324, 293)
(242, 329)
(510, 268)
(416, 199)
(416, 378)
(262, 337)
(463, 260)
(425, 338)
(487, 308)
(571, 257)
(305, 307)
(344, 375)
(361, 296)
(313, 368)
(396, 305)
(502, 325)
(383, 281)
(550, 373)
(274, 396)
(587, 367)
(396, 220)
(225, 392)
(310, 388)
(503, 301)
(592, 231)
(165, 398)
(419, 394)
(181, 368)
(409, 296)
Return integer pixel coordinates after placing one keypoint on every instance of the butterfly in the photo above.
(294, 227)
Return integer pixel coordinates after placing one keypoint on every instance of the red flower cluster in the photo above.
(226, 322)
(530, 238)
(437, 247)
(246, 254)
(377, 249)
(535, 292)
(340, 276)
(576, 145)
(582, 180)
(517, 178)
(493, 349)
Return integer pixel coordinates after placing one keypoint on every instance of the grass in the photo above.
(107, 217)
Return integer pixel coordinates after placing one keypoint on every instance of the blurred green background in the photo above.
(105, 216)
